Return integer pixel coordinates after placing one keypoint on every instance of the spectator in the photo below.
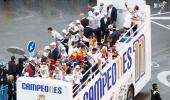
(128, 21)
(77, 74)
(112, 39)
(55, 34)
(12, 69)
(20, 65)
(84, 21)
(69, 77)
(54, 53)
(32, 65)
(112, 11)
(104, 22)
(11, 88)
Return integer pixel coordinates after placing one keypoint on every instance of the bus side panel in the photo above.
(142, 74)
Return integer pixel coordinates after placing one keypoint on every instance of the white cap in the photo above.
(77, 66)
(31, 59)
(104, 48)
(46, 47)
(52, 43)
(96, 11)
(110, 26)
(64, 31)
(78, 21)
(71, 25)
(90, 13)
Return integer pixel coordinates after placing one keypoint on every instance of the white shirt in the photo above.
(93, 59)
(128, 21)
(56, 35)
(71, 50)
(77, 76)
(97, 21)
(69, 78)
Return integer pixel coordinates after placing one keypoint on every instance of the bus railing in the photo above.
(78, 88)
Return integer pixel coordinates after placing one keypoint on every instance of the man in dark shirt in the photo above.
(105, 22)
(12, 69)
(112, 39)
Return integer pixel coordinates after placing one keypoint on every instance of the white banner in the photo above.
(29, 88)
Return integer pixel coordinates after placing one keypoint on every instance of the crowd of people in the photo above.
(88, 42)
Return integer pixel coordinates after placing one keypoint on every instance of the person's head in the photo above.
(12, 58)
(99, 45)
(50, 29)
(64, 32)
(53, 45)
(47, 48)
(105, 14)
(20, 61)
(77, 67)
(122, 30)
(110, 27)
(136, 8)
(32, 60)
(68, 71)
(58, 63)
(154, 86)
(10, 78)
(69, 34)
(96, 12)
(101, 4)
(77, 22)
(110, 5)
(82, 16)
(94, 50)
(109, 39)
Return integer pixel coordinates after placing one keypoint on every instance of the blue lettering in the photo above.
(46, 88)
(97, 86)
(113, 74)
(129, 57)
(104, 82)
(124, 63)
(23, 86)
(59, 90)
(109, 77)
(55, 90)
(85, 97)
(38, 87)
(91, 93)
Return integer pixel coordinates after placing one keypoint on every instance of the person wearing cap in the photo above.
(54, 53)
(46, 51)
(55, 34)
(77, 74)
(155, 95)
(79, 26)
(104, 22)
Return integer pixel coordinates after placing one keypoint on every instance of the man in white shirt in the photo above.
(55, 34)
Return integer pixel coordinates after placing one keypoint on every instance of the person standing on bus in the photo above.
(155, 95)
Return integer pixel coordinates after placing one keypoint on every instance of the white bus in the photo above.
(120, 79)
